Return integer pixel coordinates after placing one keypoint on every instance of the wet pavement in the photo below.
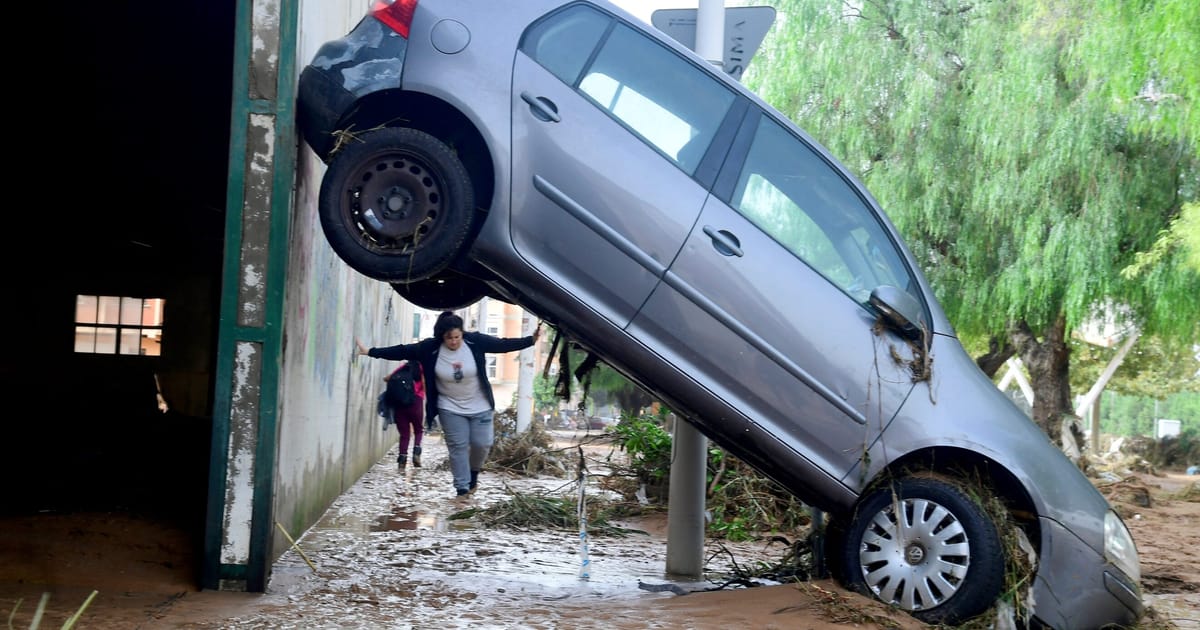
(389, 554)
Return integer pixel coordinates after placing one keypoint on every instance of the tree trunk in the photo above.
(1048, 364)
(632, 399)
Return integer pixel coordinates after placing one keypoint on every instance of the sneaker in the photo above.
(462, 491)
(416, 457)
(402, 462)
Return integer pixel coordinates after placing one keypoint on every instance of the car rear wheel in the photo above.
(447, 291)
(925, 546)
(396, 204)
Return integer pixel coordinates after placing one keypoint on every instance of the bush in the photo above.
(742, 502)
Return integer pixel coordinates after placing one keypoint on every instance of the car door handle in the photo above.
(724, 241)
(543, 108)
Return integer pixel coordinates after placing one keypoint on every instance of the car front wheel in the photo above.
(396, 204)
(926, 546)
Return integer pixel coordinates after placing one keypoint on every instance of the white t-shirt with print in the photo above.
(459, 389)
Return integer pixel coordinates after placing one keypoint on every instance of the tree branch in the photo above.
(999, 351)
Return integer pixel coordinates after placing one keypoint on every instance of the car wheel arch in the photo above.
(959, 463)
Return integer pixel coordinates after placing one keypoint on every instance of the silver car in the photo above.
(567, 157)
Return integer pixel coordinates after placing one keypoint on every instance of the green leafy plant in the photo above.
(742, 502)
(648, 447)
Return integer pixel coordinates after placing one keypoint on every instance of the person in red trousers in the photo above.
(410, 419)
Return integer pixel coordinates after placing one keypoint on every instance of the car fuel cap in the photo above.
(450, 36)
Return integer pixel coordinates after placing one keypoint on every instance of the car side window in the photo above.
(658, 95)
(793, 194)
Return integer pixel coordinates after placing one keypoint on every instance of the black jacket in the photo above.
(426, 352)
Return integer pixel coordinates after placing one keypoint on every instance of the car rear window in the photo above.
(563, 42)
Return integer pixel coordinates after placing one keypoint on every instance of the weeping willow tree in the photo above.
(1040, 176)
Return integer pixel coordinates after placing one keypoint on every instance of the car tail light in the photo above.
(397, 14)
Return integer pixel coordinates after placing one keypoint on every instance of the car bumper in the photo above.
(368, 60)
(1077, 588)
(320, 107)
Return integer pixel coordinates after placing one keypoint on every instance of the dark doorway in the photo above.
(119, 192)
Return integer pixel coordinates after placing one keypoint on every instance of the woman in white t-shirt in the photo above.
(459, 395)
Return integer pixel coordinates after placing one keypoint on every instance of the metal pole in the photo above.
(710, 31)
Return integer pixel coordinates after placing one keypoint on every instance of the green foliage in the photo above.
(1187, 229)
(648, 446)
(1182, 234)
(1141, 55)
(1154, 367)
(1131, 416)
(543, 393)
(1013, 145)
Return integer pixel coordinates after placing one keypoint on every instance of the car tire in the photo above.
(447, 291)
(396, 205)
(947, 568)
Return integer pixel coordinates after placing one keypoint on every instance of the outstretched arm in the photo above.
(492, 344)
(394, 353)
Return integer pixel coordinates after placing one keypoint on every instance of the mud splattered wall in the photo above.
(328, 433)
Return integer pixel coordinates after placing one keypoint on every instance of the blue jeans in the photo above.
(469, 440)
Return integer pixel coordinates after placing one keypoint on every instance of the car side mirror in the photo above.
(900, 311)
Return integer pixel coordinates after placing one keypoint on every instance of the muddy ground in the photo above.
(389, 555)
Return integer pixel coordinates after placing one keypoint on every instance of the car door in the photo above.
(608, 130)
(767, 302)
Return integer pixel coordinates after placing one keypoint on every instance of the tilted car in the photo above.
(569, 158)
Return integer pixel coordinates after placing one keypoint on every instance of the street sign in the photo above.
(745, 28)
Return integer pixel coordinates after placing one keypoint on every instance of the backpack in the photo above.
(400, 385)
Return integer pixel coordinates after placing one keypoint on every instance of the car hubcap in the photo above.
(916, 559)
(394, 201)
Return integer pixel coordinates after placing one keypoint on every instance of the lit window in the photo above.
(491, 367)
(106, 324)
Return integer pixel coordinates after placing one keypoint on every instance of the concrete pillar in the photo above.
(686, 501)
